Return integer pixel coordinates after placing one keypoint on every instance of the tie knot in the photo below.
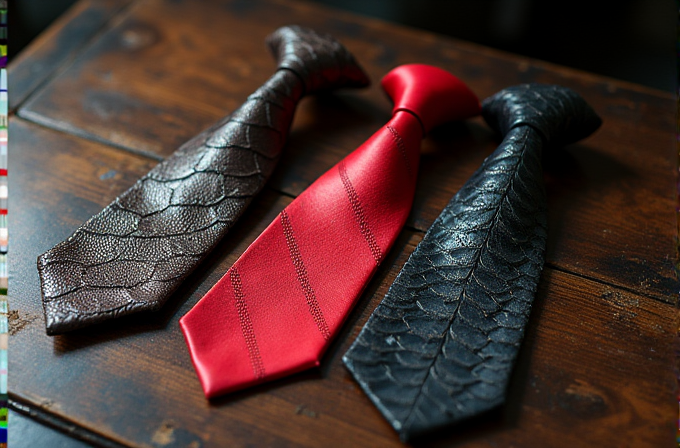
(320, 61)
(561, 115)
(433, 95)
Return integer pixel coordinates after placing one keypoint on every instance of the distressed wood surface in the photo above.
(27, 433)
(596, 365)
(58, 45)
(168, 69)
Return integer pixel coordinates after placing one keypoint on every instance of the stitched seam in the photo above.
(246, 324)
(402, 148)
(359, 214)
(303, 277)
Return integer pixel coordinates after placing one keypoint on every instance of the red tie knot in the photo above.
(433, 95)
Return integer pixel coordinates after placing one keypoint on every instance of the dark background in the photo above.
(633, 40)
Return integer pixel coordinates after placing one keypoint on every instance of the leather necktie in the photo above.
(278, 307)
(441, 346)
(131, 256)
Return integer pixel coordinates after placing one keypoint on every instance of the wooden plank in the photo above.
(171, 68)
(56, 46)
(25, 432)
(595, 369)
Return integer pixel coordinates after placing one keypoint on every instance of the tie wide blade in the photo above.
(441, 346)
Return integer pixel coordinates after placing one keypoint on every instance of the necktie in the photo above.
(442, 344)
(278, 307)
(132, 255)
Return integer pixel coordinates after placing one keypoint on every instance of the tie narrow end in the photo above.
(561, 115)
(432, 94)
(318, 59)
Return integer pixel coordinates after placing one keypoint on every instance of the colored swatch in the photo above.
(4, 234)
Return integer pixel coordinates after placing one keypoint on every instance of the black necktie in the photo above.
(441, 346)
(132, 255)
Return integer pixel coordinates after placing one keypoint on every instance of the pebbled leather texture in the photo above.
(278, 308)
(441, 346)
(133, 254)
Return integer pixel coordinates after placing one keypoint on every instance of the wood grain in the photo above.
(56, 46)
(26, 433)
(135, 83)
(170, 68)
(594, 369)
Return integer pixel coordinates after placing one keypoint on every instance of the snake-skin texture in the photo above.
(441, 346)
(134, 254)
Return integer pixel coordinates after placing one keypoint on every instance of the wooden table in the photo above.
(115, 86)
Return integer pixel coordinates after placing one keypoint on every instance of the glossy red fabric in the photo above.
(278, 307)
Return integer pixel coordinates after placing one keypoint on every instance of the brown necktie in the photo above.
(133, 254)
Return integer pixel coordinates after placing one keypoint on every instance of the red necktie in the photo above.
(278, 307)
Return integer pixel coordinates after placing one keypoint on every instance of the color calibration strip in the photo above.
(4, 305)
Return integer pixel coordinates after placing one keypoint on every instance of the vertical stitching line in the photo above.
(402, 148)
(303, 277)
(246, 324)
(359, 214)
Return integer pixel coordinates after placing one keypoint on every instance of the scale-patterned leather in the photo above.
(131, 256)
(441, 346)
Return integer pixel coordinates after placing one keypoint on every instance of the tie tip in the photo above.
(220, 364)
(224, 366)
(410, 418)
(59, 321)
